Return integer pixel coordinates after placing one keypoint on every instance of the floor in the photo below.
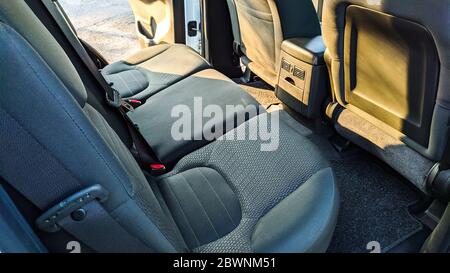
(374, 205)
(375, 200)
(107, 25)
(261, 91)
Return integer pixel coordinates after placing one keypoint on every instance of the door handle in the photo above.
(192, 28)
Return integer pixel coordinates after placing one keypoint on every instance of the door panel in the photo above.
(192, 14)
(154, 21)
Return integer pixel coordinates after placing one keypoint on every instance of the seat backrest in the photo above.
(51, 133)
(264, 24)
(390, 62)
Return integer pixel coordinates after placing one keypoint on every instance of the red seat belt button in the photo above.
(157, 167)
(135, 103)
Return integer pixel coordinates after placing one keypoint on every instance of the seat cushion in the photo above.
(204, 206)
(292, 185)
(155, 118)
(153, 69)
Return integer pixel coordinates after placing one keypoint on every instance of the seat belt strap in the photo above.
(54, 8)
(143, 153)
(237, 43)
(320, 9)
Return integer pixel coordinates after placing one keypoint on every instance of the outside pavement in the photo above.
(107, 25)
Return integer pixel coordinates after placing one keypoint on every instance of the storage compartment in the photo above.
(303, 81)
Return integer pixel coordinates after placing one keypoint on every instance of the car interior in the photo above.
(360, 90)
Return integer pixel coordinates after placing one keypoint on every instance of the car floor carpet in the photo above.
(374, 198)
(261, 91)
(374, 205)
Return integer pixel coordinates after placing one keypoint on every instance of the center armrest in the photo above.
(303, 76)
(308, 50)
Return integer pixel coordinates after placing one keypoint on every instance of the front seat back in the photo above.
(389, 62)
(260, 26)
(55, 136)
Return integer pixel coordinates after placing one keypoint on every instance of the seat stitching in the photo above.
(218, 197)
(67, 113)
(201, 205)
(42, 145)
(125, 82)
(136, 80)
(116, 146)
(183, 213)
(94, 147)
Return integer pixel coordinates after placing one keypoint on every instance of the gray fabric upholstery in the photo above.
(77, 146)
(154, 119)
(311, 201)
(54, 134)
(265, 24)
(203, 205)
(262, 180)
(153, 69)
(17, 15)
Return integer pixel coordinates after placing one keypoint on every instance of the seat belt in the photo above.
(142, 152)
(237, 43)
(320, 9)
(54, 8)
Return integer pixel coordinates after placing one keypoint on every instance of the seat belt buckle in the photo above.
(237, 48)
(71, 206)
(116, 100)
(127, 106)
(157, 169)
(131, 104)
(134, 102)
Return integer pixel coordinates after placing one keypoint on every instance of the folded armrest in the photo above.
(308, 50)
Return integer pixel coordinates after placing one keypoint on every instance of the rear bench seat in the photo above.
(227, 196)
(154, 118)
(153, 69)
(161, 78)
(165, 76)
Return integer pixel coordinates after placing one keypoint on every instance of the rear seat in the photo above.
(227, 196)
(153, 69)
(207, 87)
(164, 76)
(159, 92)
